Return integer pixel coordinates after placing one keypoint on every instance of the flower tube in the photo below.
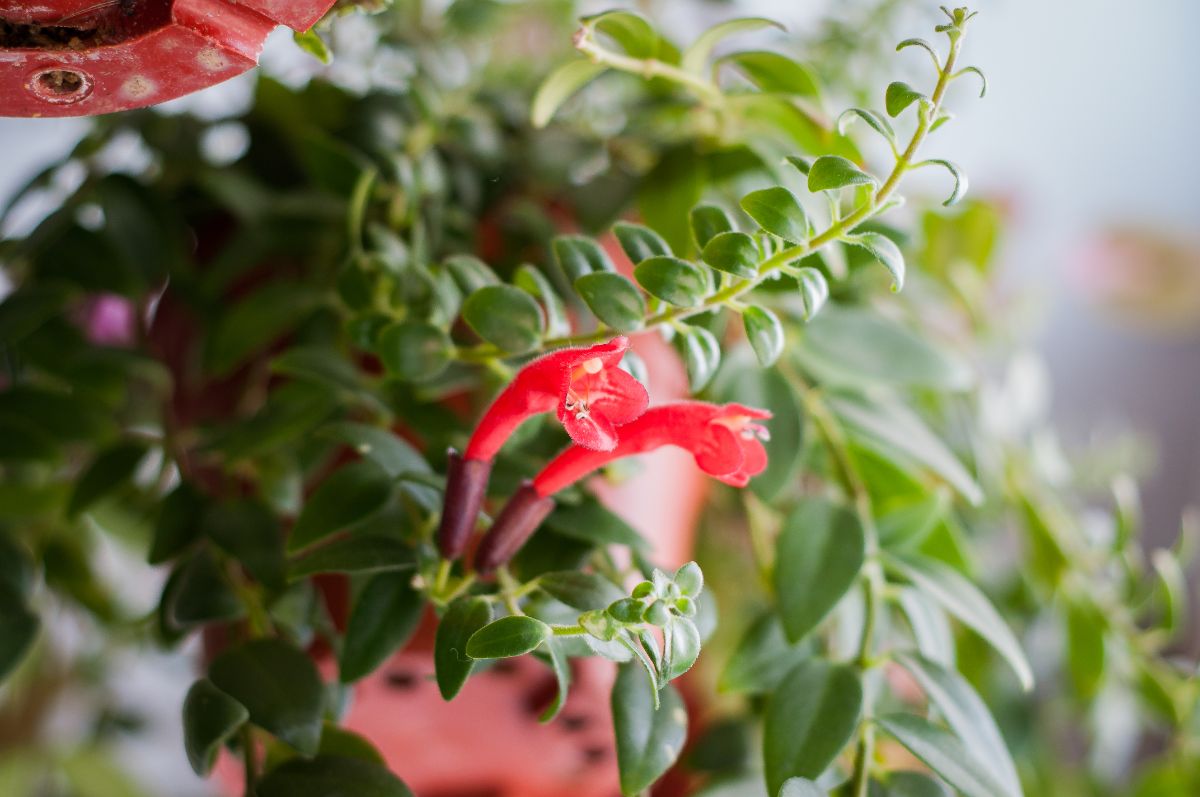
(726, 441)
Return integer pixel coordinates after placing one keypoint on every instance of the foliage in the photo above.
(302, 319)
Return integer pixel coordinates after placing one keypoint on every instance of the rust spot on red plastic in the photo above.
(88, 57)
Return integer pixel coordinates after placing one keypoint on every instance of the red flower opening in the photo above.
(726, 441)
(591, 396)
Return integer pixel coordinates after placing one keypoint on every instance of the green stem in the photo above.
(569, 630)
(647, 68)
(486, 352)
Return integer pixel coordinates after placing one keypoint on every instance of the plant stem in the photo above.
(647, 68)
(486, 352)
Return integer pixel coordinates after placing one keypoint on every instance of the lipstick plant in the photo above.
(351, 367)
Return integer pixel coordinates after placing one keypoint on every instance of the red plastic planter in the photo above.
(88, 57)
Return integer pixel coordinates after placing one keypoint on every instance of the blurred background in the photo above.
(1086, 140)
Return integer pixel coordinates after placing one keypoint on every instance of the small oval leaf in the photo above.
(649, 736)
(577, 255)
(210, 718)
(765, 333)
(508, 636)
(352, 493)
(451, 663)
(732, 252)
(778, 212)
(613, 299)
(414, 351)
(673, 280)
(830, 172)
(505, 316)
(707, 222)
(639, 242)
(819, 555)
(899, 96)
(884, 250)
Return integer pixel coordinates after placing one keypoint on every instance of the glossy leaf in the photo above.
(814, 290)
(534, 282)
(695, 57)
(178, 524)
(778, 212)
(385, 615)
(961, 598)
(673, 280)
(701, 354)
(508, 636)
(899, 96)
(681, 649)
(765, 333)
(707, 222)
(248, 531)
(818, 557)
(351, 494)
(360, 553)
(210, 718)
(613, 299)
(560, 86)
(331, 776)
(579, 590)
(732, 252)
(200, 593)
(505, 316)
(762, 658)
(577, 255)
(775, 73)
(830, 172)
(110, 469)
(883, 249)
(639, 242)
(414, 351)
(562, 677)
(279, 686)
(452, 665)
(944, 754)
(649, 738)
(809, 719)
(964, 711)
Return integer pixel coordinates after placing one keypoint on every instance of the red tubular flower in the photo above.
(726, 441)
(591, 396)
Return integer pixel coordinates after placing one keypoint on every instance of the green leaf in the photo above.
(593, 523)
(632, 32)
(534, 282)
(613, 299)
(930, 627)
(778, 212)
(210, 718)
(562, 676)
(910, 784)
(25, 310)
(255, 322)
(765, 333)
(23, 442)
(326, 367)
(331, 776)
(639, 242)
(385, 615)
(814, 290)
(960, 178)
(508, 636)
(809, 719)
(859, 348)
(830, 172)
(351, 494)
(702, 355)
(964, 711)
(110, 469)
(66, 417)
(200, 593)
(707, 222)
(732, 252)
(898, 434)
(339, 741)
(414, 351)
(899, 96)
(178, 524)
(874, 120)
(505, 316)
(470, 273)
(961, 598)
(278, 684)
(560, 86)
(380, 445)
(762, 658)
(577, 255)
(883, 249)
(774, 73)
(310, 42)
(982, 78)
(248, 531)
(905, 524)
(360, 553)
(18, 630)
(695, 57)
(579, 590)
(668, 193)
(681, 649)
(673, 280)
(649, 739)
(819, 554)
(452, 665)
(1086, 650)
(944, 754)
(801, 787)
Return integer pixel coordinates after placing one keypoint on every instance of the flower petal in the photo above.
(619, 396)
(591, 430)
(719, 451)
